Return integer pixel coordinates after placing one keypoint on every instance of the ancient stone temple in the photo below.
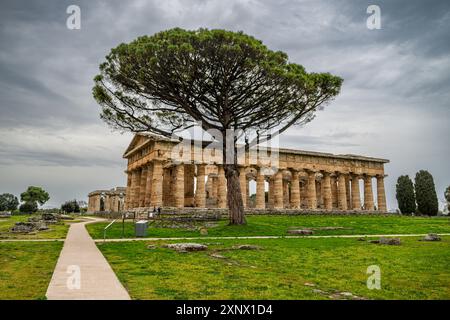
(163, 172)
(107, 200)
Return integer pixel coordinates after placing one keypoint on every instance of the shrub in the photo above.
(28, 207)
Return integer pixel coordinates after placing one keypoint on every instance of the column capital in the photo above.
(295, 174)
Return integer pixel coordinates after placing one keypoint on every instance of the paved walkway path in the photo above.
(272, 237)
(97, 280)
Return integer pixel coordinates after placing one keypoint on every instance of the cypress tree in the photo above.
(405, 195)
(427, 200)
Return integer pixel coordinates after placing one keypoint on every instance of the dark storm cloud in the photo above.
(395, 98)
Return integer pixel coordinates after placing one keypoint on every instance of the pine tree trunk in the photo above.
(234, 196)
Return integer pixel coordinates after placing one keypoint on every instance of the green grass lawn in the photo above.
(274, 225)
(56, 231)
(413, 270)
(26, 268)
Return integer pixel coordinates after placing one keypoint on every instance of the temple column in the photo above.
(209, 187)
(295, 190)
(106, 203)
(178, 186)
(347, 191)
(327, 197)
(167, 177)
(157, 184)
(285, 193)
(303, 194)
(342, 196)
(260, 190)
(200, 193)
(137, 186)
(270, 195)
(142, 188)
(334, 192)
(244, 185)
(127, 192)
(278, 190)
(148, 186)
(381, 194)
(221, 188)
(189, 174)
(319, 193)
(215, 186)
(248, 193)
(356, 198)
(311, 190)
(368, 193)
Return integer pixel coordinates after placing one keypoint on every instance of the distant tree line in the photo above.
(30, 198)
(420, 197)
(34, 197)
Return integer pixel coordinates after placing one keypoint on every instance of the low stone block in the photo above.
(387, 241)
(247, 247)
(431, 237)
(304, 232)
(186, 247)
(23, 227)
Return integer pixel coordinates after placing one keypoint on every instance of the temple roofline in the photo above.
(115, 190)
(155, 137)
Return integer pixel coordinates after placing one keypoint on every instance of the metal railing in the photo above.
(104, 230)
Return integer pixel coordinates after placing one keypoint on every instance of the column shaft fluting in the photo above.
(327, 197)
(127, 194)
(200, 194)
(311, 190)
(334, 192)
(221, 188)
(178, 186)
(295, 190)
(348, 191)
(368, 193)
(148, 186)
(342, 197)
(278, 190)
(137, 186)
(270, 197)
(381, 194)
(260, 190)
(157, 185)
(142, 188)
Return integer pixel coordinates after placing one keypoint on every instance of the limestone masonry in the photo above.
(163, 174)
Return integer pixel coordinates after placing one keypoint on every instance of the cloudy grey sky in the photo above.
(394, 102)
